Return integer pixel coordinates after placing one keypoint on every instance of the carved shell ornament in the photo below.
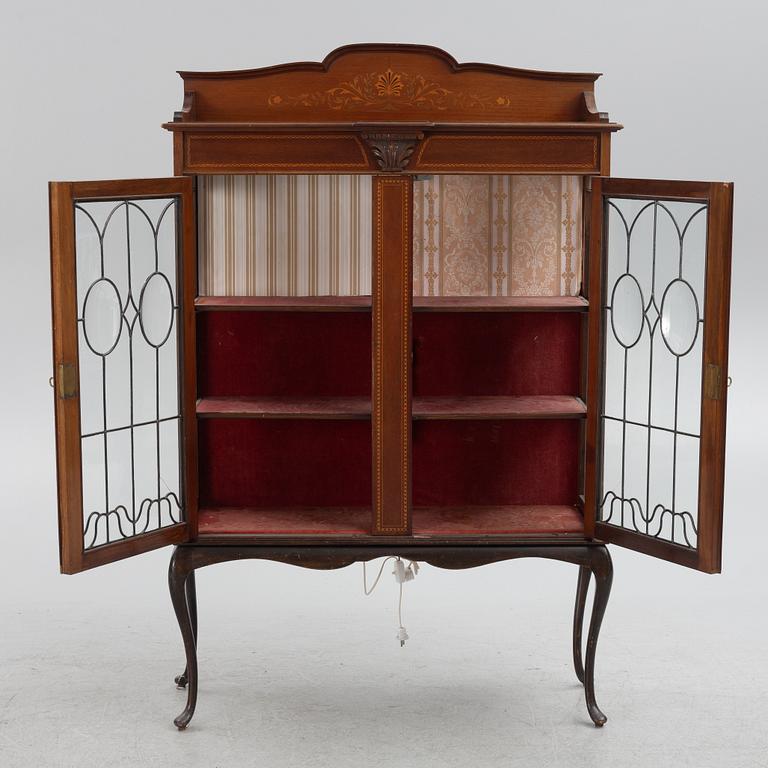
(388, 90)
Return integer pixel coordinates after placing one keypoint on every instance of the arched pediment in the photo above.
(377, 82)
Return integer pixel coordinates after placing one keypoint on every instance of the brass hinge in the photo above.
(713, 381)
(66, 381)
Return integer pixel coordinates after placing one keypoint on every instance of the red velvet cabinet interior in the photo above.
(390, 304)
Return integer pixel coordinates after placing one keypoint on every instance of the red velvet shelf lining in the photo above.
(293, 463)
(284, 520)
(479, 448)
(514, 520)
(477, 407)
(523, 520)
(276, 463)
(487, 463)
(328, 354)
(496, 353)
(291, 354)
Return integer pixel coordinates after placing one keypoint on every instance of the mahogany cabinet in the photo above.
(390, 304)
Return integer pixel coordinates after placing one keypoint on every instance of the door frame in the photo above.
(719, 198)
(62, 197)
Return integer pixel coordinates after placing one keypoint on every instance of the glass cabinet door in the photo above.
(120, 291)
(660, 261)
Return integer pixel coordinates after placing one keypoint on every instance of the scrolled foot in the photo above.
(181, 680)
(598, 718)
(182, 721)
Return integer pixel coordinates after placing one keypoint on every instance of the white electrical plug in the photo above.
(401, 574)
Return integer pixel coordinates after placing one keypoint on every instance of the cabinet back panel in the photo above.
(284, 354)
(466, 463)
(253, 463)
(280, 235)
(479, 353)
(310, 235)
(497, 235)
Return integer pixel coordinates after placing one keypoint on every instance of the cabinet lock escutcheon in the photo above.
(66, 381)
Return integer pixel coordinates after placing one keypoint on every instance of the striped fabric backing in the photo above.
(284, 235)
(497, 235)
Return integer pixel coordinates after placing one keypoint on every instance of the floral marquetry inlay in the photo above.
(389, 89)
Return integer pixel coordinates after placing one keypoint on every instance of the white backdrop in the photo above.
(296, 666)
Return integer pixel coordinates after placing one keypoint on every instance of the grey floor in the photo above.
(298, 668)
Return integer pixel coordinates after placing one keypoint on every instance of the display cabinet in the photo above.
(390, 304)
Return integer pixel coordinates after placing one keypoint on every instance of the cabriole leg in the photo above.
(602, 568)
(179, 573)
(578, 619)
(191, 595)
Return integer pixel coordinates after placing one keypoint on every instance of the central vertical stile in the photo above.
(392, 246)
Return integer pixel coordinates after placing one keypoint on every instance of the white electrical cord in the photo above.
(402, 635)
(401, 574)
(378, 576)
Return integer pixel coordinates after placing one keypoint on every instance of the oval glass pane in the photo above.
(679, 317)
(156, 309)
(102, 316)
(627, 310)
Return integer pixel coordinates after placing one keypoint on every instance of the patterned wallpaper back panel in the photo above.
(311, 235)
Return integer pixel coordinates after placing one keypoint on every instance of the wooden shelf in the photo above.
(514, 520)
(498, 407)
(293, 521)
(480, 407)
(285, 303)
(285, 407)
(500, 304)
(420, 303)
(522, 520)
